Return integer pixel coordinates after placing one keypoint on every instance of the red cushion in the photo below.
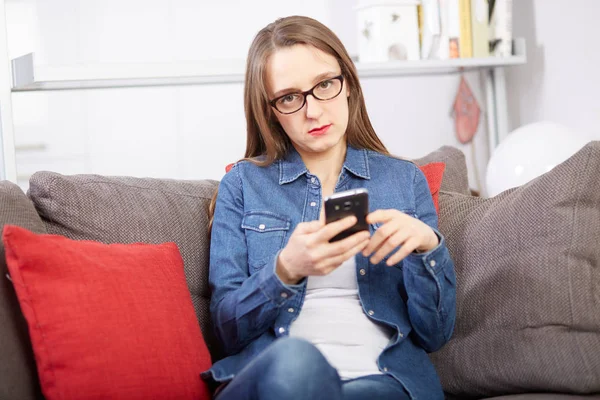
(107, 321)
(433, 173)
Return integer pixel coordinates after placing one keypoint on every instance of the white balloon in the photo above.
(529, 152)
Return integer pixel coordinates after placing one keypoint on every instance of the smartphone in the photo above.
(350, 202)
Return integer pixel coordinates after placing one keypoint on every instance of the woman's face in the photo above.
(319, 127)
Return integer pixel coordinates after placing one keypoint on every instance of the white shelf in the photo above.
(223, 72)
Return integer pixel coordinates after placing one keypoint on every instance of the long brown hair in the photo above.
(265, 136)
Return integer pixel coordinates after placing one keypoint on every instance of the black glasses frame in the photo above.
(273, 102)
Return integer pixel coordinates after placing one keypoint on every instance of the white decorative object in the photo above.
(529, 152)
(387, 30)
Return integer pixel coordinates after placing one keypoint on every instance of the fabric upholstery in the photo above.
(456, 178)
(434, 173)
(528, 285)
(545, 396)
(107, 321)
(18, 375)
(128, 210)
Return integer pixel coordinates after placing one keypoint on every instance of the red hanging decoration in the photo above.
(466, 112)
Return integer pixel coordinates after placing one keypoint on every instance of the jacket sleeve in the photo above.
(430, 280)
(243, 305)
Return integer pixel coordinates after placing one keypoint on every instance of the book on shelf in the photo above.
(430, 29)
(465, 28)
(444, 52)
(480, 28)
(452, 14)
(500, 30)
(466, 32)
(456, 14)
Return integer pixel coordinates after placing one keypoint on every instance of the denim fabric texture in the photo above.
(258, 208)
(294, 369)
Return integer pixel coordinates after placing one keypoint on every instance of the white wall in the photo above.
(188, 132)
(561, 81)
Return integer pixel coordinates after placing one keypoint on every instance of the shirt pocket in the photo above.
(265, 236)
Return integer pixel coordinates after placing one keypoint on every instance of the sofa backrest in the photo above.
(18, 374)
(456, 176)
(127, 209)
(124, 210)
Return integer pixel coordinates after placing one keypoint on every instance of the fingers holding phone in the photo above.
(333, 253)
(310, 251)
(399, 235)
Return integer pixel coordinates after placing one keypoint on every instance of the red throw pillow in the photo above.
(107, 321)
(433, 173)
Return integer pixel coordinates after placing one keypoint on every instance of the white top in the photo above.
(333, 320)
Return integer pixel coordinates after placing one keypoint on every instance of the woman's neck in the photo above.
(326, 166)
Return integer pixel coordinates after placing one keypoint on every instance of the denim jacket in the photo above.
(258, 208)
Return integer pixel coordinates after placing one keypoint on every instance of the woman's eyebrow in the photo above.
(317, 79)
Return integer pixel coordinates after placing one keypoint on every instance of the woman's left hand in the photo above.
(398, 229)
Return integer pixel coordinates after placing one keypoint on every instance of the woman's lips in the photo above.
(319, 131)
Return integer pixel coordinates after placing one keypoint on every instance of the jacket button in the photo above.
(313, 203)
(284, 295)
(281, 330)
(401, 334)
(371, 312)
(362, 271)
(261, 226)
(385, 369)
(432, 263)
(290, 310)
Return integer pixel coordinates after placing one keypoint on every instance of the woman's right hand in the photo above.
(308, 252)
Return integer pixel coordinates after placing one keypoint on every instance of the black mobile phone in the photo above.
(350, 202)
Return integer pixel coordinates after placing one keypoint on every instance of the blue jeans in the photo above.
(294, 369)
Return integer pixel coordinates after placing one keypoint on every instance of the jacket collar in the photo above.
(291, 167)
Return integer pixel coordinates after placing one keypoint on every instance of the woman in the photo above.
(300, 317)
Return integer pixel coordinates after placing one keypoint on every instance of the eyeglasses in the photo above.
(324, 90)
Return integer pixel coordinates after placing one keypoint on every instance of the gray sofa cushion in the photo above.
(528, 285)
(128, 210)
(545, 396)
(18, 374)
(456, 178)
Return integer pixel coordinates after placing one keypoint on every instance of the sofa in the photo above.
(527, 264)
